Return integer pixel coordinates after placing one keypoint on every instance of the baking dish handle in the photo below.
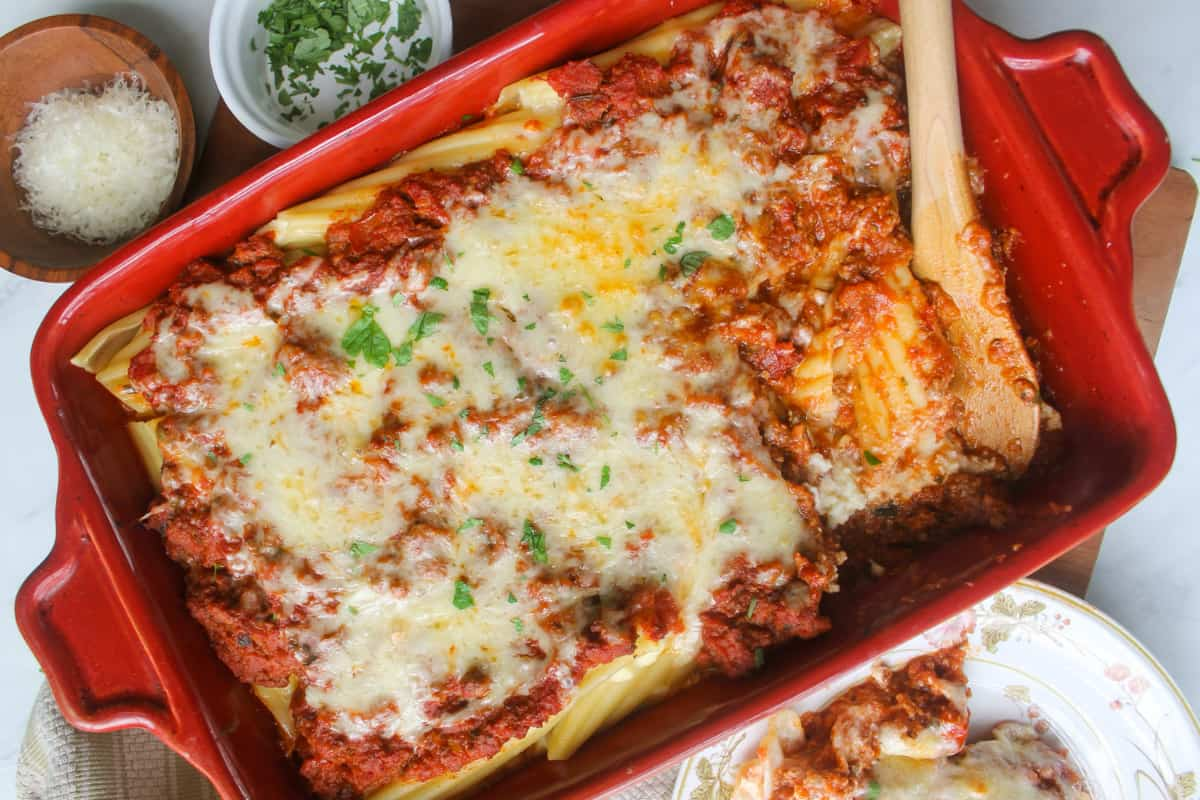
(1108, 145)
(75, 623)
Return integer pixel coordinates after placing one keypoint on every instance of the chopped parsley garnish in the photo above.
(564, 461)
(722, 227)
(629, 525)
(521, 382)
(245, 459)
(760, 658)
(728, 526)
(531, 326)
(535, 540)
(536, 461)
(311, 38)
(479, 310)
(619, 355)
(691, 262)
(873, 791)
(588, 298)
(871, 458)
(403, 354)
(353, 610)
(565, 375)
(455, 382)
(425, 326)
(742, 478)
(512, 598)
(751, 609)
(279, 369)
(628, 261)
(359, 548)
(615, 325)
(662, 272)
(517, 167)
(520, 626)
(367, 338)
(439, 283)
(489, 369)
(674, 240)
(468, 523)
(434, 400)
(605, 542)
(537, 422)
(398, 299)
(605, 476)
(248, 406)
(462, 596)
(456, 445)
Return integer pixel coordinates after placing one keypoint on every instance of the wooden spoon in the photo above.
(994, 378)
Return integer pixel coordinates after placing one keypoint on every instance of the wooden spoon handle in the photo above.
(994, 376)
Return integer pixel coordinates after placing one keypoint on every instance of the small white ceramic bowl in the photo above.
(244, 78)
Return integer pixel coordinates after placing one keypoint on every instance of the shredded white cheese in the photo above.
(97, 165)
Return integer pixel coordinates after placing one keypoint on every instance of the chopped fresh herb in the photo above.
(760, 658)
(455, 382)
(691, 262)
(598, 380)
(359, 548)
(366, 337)
(531, 326)
(674, 240)
(248, 406)
(619, 355)
(462, 596)
(629, 525)
(353, 610)
(403, 354)
(425, 326)
(628, 261)
(588, 298)
(537, 422)
(434, 400)
(466, 412)
(565, 375)
(615, 325)
(489, 340)
(742, 478)
(871, 458)
(468, 523)
(245, 459)
(605, 476)
(728, 526)
(662, 272)
(753, 606)
(398, 299)
(517, 167)
(535, 540)
(536, 461)
(722, 227)
(512, 598)
(211, 458)
(873, 790)
(521, 383)
(279, 369)
(520, 626)
(456, 445)
(439, 283)
(489, 369)
(605, 542)
(564, 461)
(586, 184)
(479, 310)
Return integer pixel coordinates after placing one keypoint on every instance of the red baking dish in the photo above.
(1069, 153)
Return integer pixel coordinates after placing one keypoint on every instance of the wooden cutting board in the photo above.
(1160, 228)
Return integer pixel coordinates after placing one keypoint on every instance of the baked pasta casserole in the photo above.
(479, 453)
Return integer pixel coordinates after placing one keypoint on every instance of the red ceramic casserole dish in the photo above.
(1069, 151)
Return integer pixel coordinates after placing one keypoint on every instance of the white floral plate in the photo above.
(1042, 656)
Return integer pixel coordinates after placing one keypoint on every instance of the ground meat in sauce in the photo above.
(758, 605)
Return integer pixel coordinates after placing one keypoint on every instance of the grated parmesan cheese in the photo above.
(97, 166)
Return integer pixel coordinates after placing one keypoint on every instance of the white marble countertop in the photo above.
(1146, 576)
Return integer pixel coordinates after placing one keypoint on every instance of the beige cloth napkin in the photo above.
(58, 762)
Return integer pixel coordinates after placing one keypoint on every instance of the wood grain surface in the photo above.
(1159, 230)
(73, 51)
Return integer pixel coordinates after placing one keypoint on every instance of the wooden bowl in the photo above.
(69, 51)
